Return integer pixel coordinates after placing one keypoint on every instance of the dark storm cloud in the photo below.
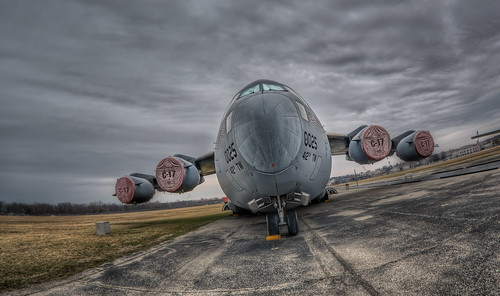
(92, 90)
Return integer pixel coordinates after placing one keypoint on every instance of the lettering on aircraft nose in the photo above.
(310, 141)
(233, 168)
(230, 153)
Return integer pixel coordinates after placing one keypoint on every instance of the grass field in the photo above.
(433, 166)
(39, 249)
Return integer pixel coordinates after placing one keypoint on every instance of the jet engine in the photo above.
(370, 145)
(176, 175)
(415, 146)
(133, 190)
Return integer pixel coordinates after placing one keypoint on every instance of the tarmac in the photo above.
(437, 236)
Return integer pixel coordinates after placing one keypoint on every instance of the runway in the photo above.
(437, 236)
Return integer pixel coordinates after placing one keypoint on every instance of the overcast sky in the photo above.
(94, 90)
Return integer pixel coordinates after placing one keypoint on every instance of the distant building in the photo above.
(466, 150)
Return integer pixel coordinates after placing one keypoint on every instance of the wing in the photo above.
(339, 143)
(369, 144)
(206, 164)
(175, 174)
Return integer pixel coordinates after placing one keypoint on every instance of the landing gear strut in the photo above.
(282, 220)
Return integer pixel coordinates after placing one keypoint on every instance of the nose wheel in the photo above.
(272, 224)
(292, 222)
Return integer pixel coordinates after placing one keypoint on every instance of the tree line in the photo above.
(66, 208)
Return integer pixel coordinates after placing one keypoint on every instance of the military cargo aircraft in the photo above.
(271, 156)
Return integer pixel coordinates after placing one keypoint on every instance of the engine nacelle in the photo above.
(176, 175)
(371, 144)
(416, 146)
(133, 190)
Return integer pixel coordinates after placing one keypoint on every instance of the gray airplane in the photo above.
(271, 156)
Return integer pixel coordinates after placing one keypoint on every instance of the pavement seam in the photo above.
(432, 217)
(357, 277)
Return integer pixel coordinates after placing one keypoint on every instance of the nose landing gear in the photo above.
(282, 221)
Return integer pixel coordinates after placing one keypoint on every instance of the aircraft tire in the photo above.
(272, 223)
(293, 222)
(325, 197)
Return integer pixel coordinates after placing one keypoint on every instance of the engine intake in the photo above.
(177, 175)
(133, 190)
(416, 146)
(370, 145)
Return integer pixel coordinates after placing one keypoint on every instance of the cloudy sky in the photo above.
(93, 90)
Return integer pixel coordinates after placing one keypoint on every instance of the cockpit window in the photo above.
(267, 87)
(261, 86)
(250, 90)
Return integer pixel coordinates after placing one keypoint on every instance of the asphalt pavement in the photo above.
(433, 237)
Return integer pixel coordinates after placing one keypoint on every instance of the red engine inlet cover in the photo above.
(170, 174)
(424, 143)
(376, 142)
(125, 189)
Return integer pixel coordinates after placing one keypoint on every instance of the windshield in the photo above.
(261, 86)
(272, 87)
(250, 90)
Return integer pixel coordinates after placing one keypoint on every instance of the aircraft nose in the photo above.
(268, 131)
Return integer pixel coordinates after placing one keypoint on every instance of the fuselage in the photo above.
(270, 144)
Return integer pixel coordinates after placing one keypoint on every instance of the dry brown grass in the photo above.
(38, 249)
(456, 161)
